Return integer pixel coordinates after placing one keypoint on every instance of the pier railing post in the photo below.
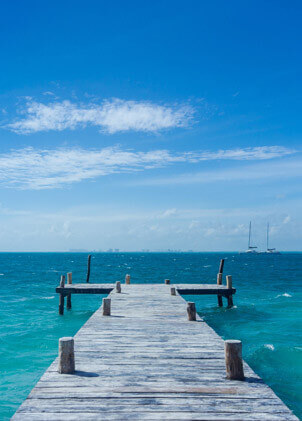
(118, 287)
(173, 291)
(191, 310)
(88, 267)
(127, 279)
(219, 282)
(61, 297)
(69, 278)
(66, 356)
(68, 297)
(229, 286)
(106, 306)
(219, 278)
(167, 281)
(233, 359)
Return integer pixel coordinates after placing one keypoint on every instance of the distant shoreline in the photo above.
(144, 252)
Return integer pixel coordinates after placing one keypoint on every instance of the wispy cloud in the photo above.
(279, 170)
(31, 168)
(110, 116)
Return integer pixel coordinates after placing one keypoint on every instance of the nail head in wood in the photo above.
(69, 278)
(127, 279)
(167, 281)
(229, 281)
(118, 287)
(233, 359)
(66, 356)
(106, 306)
(191, 310)
(173, 291)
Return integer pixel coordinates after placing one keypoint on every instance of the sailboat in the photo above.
(251, 249)
(269, 250)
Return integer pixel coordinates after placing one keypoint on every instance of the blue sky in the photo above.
(156, 125)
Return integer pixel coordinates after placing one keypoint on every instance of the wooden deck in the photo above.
(184, 289)
(148, 362)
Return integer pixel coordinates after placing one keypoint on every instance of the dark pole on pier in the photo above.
(61, 298)
(88, 267)
(221, 266)
(219, 281)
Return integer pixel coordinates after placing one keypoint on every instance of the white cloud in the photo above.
(246, 154)
(51, 168)
(273, 170)
(111, 116)
(168, 213)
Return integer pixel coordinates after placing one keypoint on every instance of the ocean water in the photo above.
(266, 315)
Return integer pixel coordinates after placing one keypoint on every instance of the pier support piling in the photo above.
(68, 301)
(106, 306)
(233, 360)
(68, 297)
(191, 310)
(61, 298)
(219, 282)
(66, 356)
(118, 287)
(229, 286)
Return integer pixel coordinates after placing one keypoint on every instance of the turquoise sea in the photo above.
(266, 315)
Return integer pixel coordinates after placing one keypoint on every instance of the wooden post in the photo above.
(229, 281)
(127, 279)
(88, 267)
(173, 291)
(229, 286)
(66, 356)
(68, 301)
(219, 282)
(233, 360)
(62, 281)
(219, 278)
(221, 266)
(191, 310)
(61, 297)
(69, 278)
(167, 281)
(118, 287)
(106, 306)
(68, 297)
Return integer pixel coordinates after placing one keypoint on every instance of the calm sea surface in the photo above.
(266, 316)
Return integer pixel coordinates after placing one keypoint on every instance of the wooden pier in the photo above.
(148, 361)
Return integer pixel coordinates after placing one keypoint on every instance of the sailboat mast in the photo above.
(267, 234)
(250, 234)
